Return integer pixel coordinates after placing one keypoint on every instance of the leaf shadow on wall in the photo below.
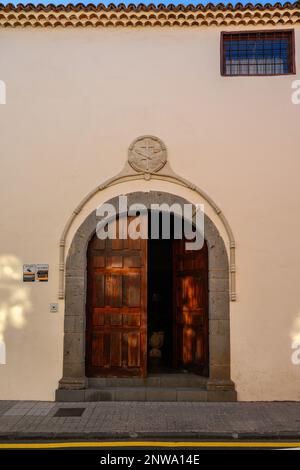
(295, 341)
(14, 299)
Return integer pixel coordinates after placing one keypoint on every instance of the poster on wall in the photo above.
(42, 272)
(29, 271)
(35, 272)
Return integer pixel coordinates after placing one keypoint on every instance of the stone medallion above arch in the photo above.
(74, 383)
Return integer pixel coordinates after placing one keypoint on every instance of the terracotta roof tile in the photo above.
(72, 15)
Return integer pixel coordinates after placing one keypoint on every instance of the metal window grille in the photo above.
(258, 53)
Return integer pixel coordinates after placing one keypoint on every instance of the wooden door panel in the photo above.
(116, 335)
(114, 261)
(195, 318)
(190, 291)
(106, 349)
(133, 344)
(132, 319)
(190, 279)
(132, 290)
(188, 343)
(98, 317)
(116, 349)
(113, 290)
(116, 319)
(98, 262)
(98, 290)
(97, 350)
(199, 348)
(98, 244)
(130, 244)
(133, 261)
(116, 244)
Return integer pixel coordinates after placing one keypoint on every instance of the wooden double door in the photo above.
(116, 327)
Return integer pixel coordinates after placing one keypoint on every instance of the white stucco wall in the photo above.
(76, 99)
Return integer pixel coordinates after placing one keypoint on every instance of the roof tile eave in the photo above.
(182, 15)
(150, 7)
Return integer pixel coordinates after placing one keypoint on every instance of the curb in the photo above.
(230, 436)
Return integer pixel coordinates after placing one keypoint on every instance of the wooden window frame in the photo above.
(292, 52)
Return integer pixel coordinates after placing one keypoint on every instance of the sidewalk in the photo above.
(104, 420)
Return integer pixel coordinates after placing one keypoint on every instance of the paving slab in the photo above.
(37, 420)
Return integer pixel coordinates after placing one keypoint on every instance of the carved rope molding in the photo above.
(148, 15)
(172, 179)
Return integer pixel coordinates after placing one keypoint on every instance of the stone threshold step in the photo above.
(166, 381)
(145, 394)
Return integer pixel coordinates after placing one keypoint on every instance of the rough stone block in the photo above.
(221, 372)
(219, 349)
(218, 284)
(219, 327)
(69, 395)
(219, 306)
(99, 395)
(190, 395)
(160, 394)
(218, 274)
(130, 394)
(74, 369)
(74, 347)
(221, 395)
(74, 324)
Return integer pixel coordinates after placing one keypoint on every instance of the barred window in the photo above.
(257, 53)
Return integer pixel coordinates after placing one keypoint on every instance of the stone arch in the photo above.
(74, 380)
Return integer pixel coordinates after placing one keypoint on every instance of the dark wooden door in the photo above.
(190, 284)
(116, 338)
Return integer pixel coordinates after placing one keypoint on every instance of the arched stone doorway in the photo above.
(74, 384)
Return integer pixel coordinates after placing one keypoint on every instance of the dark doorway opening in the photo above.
(160, 305)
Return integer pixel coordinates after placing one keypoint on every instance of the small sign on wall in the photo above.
(29, 271)
(35, 272)
(42, 272)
